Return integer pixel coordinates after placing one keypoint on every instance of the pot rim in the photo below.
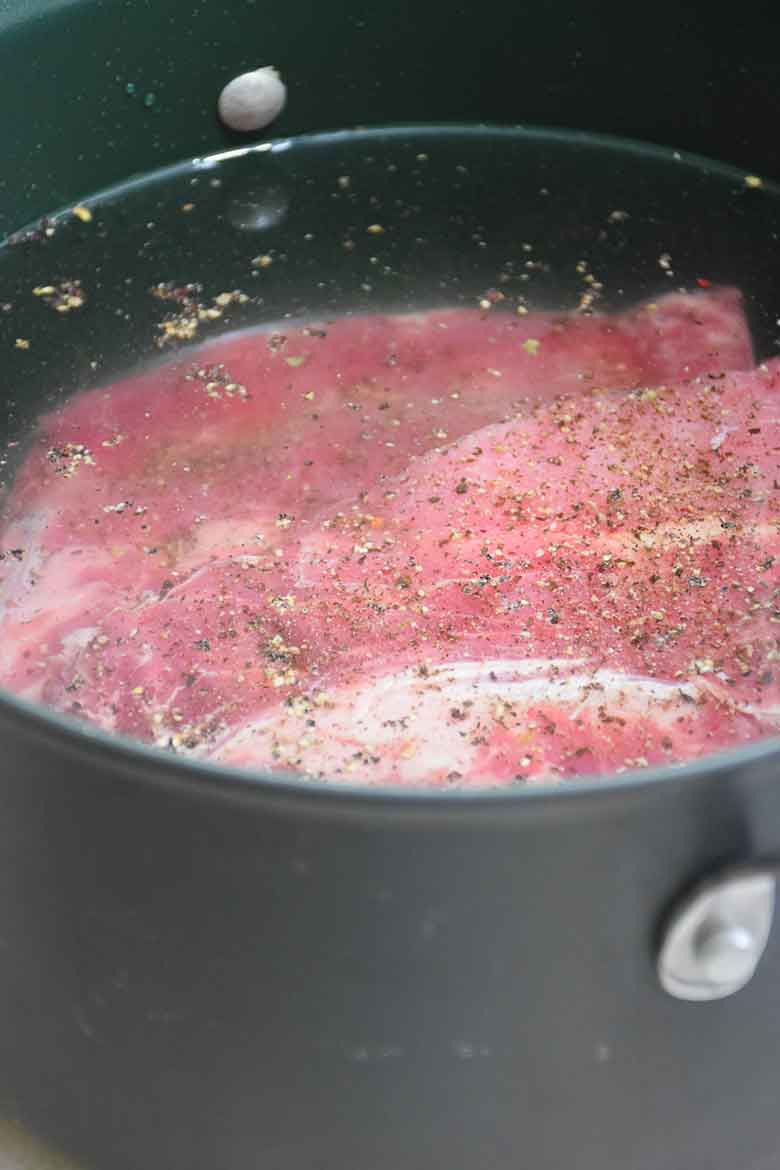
(200, 775)
(620, 144)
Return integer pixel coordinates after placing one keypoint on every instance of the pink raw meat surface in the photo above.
(152, 476)
(413, 550)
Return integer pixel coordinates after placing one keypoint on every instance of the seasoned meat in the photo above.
(438, 549)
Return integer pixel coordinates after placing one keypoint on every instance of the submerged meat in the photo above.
(423, 550)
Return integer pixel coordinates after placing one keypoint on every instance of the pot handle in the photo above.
(713, 939)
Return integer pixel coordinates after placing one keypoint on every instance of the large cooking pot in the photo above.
(204, 969)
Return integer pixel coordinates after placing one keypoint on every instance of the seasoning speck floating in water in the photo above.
(63, 297)
(252, 100)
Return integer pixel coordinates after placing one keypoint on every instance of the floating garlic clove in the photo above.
(252, 100)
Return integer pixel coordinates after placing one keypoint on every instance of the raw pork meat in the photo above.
(434, 549)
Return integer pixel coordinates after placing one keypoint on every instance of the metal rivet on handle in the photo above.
(728, 953)
(716, 936)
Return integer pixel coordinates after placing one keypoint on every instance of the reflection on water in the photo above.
(255, 211)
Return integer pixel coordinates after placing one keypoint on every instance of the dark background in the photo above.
(695, 76)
